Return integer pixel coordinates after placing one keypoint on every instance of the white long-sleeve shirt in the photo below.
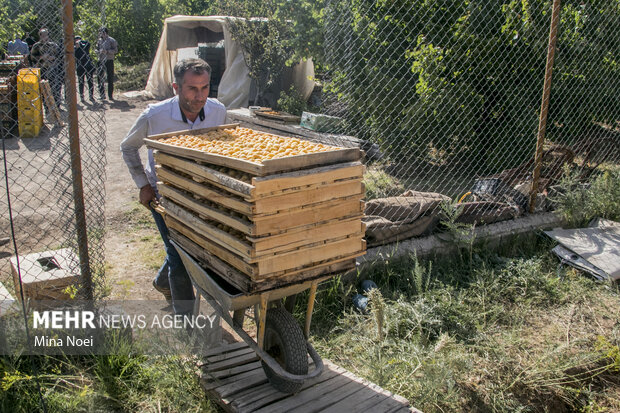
(162, 117)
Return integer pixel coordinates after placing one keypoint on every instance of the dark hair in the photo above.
(197, 66)
(103, 29)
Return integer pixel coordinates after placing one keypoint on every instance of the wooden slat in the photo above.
(233, 371)
(290, 163)
(169, 176)
(226, 364)
(307, 256)
(253, 380)
(216, 178)
(336, 209)
(298, 237)
(308, 396)
(223, 238)
(274, 185)
(266, 394)
(229, 355)
(231, 275)
(223, 385)
(188, 202)
(308, 197)
(225, 349)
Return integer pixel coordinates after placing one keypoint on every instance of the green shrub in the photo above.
(579, 203)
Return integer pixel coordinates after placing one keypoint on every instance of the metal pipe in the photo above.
(76, 159)
(544, 107)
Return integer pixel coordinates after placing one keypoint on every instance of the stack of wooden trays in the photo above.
(267, 225)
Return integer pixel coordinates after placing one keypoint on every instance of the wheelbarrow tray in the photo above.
(224, 301)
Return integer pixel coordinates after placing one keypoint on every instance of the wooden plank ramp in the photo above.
(233, 377)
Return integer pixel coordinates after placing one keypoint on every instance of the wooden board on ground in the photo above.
(278, 116)
(267, 167)
(50, 102)
(242, 387)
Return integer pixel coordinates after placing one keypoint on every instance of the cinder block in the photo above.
(6, 300)
(46, 275)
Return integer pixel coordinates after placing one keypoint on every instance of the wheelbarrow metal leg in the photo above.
(310, 308)
(238, 317)
(262, 317)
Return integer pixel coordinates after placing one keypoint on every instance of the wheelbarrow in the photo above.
(280, 344)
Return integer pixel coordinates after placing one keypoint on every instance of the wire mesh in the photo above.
(451, 94)
(39, 180)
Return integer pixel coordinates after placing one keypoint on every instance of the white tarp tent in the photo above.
(234, 88)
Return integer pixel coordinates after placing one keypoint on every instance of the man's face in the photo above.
(193, 91)
(44, 36)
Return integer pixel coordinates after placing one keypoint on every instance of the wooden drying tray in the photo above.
(279, 116)
(267, 167)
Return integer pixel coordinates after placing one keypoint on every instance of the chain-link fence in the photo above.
(41, 179)
(451, 94)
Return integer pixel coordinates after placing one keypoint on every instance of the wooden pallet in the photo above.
(50, 102)
(234, 378)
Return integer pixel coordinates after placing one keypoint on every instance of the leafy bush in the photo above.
(579, 203)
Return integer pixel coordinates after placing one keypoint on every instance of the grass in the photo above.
(131, 77)
(122, 382)
(508, 331)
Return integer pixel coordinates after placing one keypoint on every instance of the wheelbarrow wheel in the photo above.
(285, 342)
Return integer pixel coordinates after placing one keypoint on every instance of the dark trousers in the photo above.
(85, 72)
(54, 76)
(172, 273)
(106, 72)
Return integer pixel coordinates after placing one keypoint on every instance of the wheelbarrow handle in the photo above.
(158, 208)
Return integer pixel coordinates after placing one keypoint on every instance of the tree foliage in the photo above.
(464, 78)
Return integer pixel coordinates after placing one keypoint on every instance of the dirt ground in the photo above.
(133, 247)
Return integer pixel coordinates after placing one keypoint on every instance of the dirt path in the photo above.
(134, 249)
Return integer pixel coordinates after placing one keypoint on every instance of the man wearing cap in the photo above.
(189, 109)
(84, 67)
(106, 49)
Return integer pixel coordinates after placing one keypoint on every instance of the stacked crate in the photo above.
(8, 95)
(29, 102)
(262, 226)
(8, 107)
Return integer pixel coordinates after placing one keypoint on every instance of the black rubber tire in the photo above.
(285, 342)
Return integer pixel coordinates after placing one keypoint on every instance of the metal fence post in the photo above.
(544, 107)
(76, 160)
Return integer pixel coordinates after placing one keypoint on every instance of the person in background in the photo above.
(189, 109)
(18, 47)
(84, 67)
(107, 48)
(46, 56)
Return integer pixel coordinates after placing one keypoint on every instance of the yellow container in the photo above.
(29, 129)
(29, 105)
